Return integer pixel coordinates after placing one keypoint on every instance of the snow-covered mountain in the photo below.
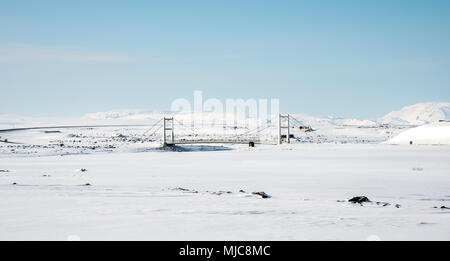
(124, 115)
(142, 115)
(419, 114)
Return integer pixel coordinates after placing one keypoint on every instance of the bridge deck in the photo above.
(181, 142)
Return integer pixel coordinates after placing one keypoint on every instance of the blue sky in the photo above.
(344, 58)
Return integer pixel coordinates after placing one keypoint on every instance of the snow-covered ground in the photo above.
(116, 183)
(196, 195)
(64, 141)
(137, 133)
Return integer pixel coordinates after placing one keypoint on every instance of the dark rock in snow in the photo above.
(359, 199)
(444, 207)
(262, 194)
(186, 190)
(397, 206)
(83, 170)
(384, 204)
(220, 192)
(242, 191)
(14, 183)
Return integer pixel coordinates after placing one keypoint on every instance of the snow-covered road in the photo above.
(196, 195)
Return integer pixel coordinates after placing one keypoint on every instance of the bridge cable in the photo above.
(151, 128)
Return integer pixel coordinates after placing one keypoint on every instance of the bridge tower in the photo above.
(168, 131)
(283, 124)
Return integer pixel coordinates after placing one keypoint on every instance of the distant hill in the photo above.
(419, 114)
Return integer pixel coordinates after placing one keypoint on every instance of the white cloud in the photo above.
(26, 52)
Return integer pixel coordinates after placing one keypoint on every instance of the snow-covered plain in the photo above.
(116, 183)
(196, 195)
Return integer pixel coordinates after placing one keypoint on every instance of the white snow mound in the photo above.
(431, 134)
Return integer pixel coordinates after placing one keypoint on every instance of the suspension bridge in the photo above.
(283, 127)
(171, 132)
